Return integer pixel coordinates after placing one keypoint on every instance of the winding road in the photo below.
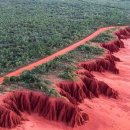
(57, 54)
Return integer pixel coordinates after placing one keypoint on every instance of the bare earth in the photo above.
(104, 113)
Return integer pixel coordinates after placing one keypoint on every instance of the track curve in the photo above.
(57, 54)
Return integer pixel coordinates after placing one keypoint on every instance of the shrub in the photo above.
(68, 73)
(33, 82)
(89, 49)
(28, 77)
(104, 37)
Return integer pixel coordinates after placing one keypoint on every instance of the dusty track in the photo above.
(59, 53)
(104, 114)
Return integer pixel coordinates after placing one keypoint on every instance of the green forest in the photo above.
(31, 29)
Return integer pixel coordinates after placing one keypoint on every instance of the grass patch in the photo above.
(31, 29)
(89, 49)
(47, 67)
(82, 53)
(63, 66)
(33, 82)
(104, 37)
(68, 73)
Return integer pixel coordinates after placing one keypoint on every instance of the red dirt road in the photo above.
(59, 53)
(104, 113)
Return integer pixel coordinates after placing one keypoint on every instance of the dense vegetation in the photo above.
(105, 36)
(30, 81)
(30, 29)
(68, 73)
(84, 52)
(62, 67)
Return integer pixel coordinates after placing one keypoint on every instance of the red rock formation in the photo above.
(69, 97)
(57, 109)
(73, 88)
(8, 118)
(99, 65)
(106, 90)
(98, 87)
(123, 33)
(113, 46)
(112, 58)
(110, 46)
(91, 65)
(85, 72)
(50, 108)
(119, 43)
(128, 29)
(85, 87)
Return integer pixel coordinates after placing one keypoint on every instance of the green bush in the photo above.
(33, 82)
(89, 49)
(104, 37)
(28, 77)
(68, 73)
(12, 79)
(47, 67)
(31, 29)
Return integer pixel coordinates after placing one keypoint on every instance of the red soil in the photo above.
(74, 89)
(100, 65)
(99, 87)
(123, 33)
(112, 115)
(84, 72)
(113, 46)
(8, 118)
(85, 87)
(112, 58)
(128, 29)
(55, 109)
(106, 115)
(59, 53)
